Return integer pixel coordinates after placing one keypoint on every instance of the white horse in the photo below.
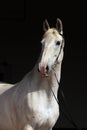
(30, 104)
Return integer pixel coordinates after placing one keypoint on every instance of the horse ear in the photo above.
(59, 26)
(45, 25)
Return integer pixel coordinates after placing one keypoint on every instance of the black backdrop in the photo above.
(20, 35)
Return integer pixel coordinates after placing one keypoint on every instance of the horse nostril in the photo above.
(47, 68)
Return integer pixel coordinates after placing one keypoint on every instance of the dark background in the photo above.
(20, 34)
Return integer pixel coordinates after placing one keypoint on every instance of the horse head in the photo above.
(52, 47)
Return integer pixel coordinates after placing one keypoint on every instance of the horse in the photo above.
(30, 103)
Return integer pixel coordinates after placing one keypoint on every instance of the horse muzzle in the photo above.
(43, 69)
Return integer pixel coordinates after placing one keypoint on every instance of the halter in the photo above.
(61, 47)
(56, 62)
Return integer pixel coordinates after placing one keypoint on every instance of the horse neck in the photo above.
(55, 78)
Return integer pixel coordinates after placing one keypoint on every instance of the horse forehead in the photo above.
(52, 34)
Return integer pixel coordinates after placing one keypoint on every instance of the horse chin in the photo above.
(45, 75)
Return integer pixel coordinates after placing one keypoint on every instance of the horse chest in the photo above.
(47, 115)
(44, 110)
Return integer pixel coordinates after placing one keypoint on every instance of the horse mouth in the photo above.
(43, 73)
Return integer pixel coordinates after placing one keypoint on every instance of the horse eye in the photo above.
(57, 43)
